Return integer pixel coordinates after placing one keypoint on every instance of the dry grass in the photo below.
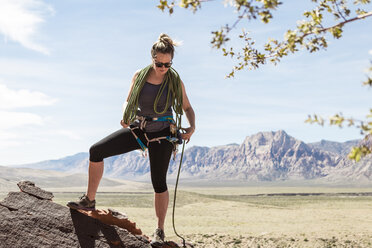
(232, 217)
(231, 220)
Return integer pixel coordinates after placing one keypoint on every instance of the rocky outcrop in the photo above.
(31, 219)
(30, 188)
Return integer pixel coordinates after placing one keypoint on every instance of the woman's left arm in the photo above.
(190, 115)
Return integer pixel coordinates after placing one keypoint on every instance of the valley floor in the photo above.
(237, 217)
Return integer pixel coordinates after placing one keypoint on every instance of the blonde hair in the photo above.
(164, 44)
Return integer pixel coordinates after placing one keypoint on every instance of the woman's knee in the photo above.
(95, 154)
(159, 186)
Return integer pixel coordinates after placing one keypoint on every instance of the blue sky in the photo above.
(65, 70)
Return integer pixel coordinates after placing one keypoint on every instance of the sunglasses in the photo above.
(166, 65)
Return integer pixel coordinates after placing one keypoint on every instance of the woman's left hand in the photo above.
(186, 136)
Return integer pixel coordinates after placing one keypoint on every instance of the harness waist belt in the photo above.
(161, 118)
(175, 139)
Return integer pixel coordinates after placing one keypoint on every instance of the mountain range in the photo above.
(265, 156)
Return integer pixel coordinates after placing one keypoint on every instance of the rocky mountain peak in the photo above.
(270, 144)
(267, 138)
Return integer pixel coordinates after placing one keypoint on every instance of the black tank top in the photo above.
(146, 106)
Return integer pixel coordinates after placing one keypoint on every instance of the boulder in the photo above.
(31, 219)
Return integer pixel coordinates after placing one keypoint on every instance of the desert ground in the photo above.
(252, 216)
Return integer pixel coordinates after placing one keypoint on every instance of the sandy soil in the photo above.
(216, 240)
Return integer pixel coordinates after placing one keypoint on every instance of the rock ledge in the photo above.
(31, 219)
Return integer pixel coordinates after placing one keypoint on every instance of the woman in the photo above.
(147, 123)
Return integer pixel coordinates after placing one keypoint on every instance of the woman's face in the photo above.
(161, 62)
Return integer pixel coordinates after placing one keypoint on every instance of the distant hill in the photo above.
(66, 164)
(265, 156)
(340, 148)
(9, 177)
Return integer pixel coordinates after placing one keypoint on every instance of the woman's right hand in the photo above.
(124, 125)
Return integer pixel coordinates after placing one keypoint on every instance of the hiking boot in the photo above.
(158, 238)
(84, 203)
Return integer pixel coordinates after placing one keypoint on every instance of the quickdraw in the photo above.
(174, 138)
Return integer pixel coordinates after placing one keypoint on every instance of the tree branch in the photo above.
(359, 17)
(237, 21)
(339, 11)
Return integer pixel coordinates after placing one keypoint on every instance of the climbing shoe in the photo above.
(158, 238)
(84, 203)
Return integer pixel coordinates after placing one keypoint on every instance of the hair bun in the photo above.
(164, 44)
(165, 38)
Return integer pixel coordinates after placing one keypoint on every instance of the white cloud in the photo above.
(8, 135)
(16, 119)
(10, 99)
(9, 139)
(69, 134)
(20, 19)
(370, 52)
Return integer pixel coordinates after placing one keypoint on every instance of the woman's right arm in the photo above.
(129, 94)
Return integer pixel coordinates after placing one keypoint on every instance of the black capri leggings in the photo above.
(123, 141)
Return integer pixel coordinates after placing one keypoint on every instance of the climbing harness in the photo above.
(174, 138)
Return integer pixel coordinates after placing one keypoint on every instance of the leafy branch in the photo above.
(365, 126)
(310, 34)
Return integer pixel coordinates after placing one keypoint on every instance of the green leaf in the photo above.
(336, 32)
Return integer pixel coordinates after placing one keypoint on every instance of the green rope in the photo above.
(175, 195)
(172, 79)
